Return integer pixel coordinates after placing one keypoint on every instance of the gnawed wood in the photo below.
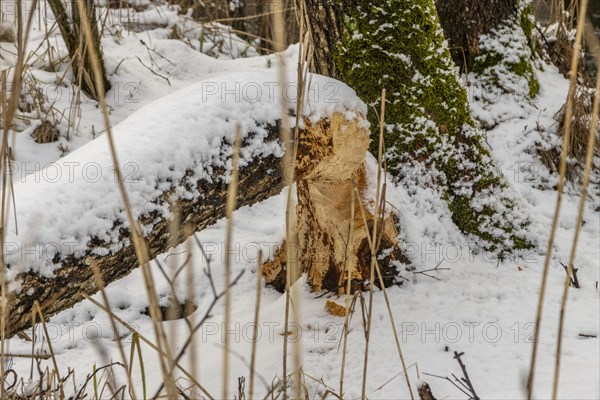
(330, 158)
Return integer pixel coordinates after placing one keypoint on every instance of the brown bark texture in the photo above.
(464, 21)
(323, 22)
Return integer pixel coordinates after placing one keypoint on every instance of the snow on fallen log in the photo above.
(179, 149)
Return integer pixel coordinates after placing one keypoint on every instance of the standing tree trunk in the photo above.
(464, 21)
(74, 37)
(323, 22)
(431, 138)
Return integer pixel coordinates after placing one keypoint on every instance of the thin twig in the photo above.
(467, 380)
(153, 71)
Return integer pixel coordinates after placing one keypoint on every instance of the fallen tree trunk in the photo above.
(178, 149)
(60, 291)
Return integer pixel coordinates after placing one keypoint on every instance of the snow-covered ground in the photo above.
(476, 305)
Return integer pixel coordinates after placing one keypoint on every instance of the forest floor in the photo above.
(472, 303)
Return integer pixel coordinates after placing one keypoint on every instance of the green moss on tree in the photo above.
(430, 136)
(526, 20)
(506, 62)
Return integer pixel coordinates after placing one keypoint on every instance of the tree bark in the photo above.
(74, 37)
(464, 21)
(322, 20)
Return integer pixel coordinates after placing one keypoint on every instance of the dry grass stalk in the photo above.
(387, 302)
(159, 351)
(374, 242)
(291, 223)
(591, 149)
(9, 111)
(287, 171)
(559, 194)
(174, 308)
(188, 232)
(137, 237)
(231, 200)
(100, 283)
(348, 288)
(259, 275)
(38, 309)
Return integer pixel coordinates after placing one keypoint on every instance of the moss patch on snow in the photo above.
(430, 135)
